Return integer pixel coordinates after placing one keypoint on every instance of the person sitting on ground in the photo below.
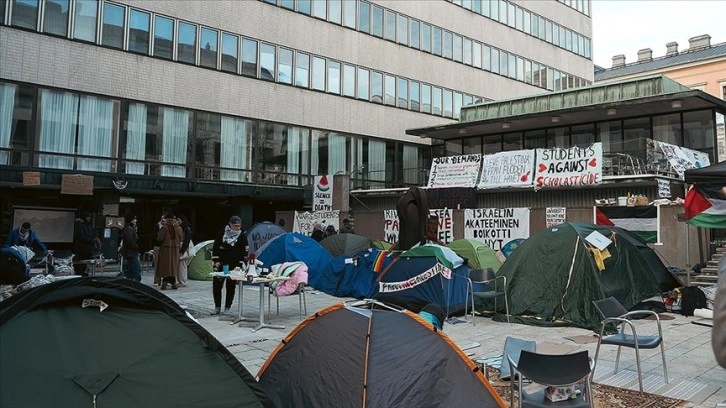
(229, 249)
(317, 234)
(24, 236)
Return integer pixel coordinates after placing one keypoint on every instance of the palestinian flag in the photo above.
(640, 220)
(706, 207)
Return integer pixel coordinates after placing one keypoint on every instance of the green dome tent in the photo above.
(476, 252)
(200, 267)
(553, 277)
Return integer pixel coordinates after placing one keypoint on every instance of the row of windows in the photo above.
(57, 129)
(143, 32)
(390, 25)
(583, 6)
(530, 23)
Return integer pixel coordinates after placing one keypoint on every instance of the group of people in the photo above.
(320, 234)
(173, 237)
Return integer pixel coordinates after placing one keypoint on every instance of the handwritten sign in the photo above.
(77, 184)
(454, 171)
(567, 168)
(304, 221)
(664, 188)
(507, 169)
(445, 220)
(456, 198)
(31, 178)
(682, 158)
(496, 227)
(555, 216)
(390, 226)
(115, 222)
(323, 193)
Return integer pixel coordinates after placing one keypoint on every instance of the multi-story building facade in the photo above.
(220, 107)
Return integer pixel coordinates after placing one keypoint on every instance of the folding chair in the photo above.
(300, 292)
(485, 277)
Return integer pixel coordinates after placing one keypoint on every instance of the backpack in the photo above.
(692, 298)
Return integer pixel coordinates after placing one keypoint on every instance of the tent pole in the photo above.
(688, 257)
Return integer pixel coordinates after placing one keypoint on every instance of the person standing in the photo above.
(184, 251)
(229, 249)
(347, 227)
(317, 234)
(155, 250)
(130, 249)
(169, 238)
(84, 242)
(24, 236)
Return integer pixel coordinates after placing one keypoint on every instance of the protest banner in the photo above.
(455, 198)
(446, 224)
(664, 188)
(555, 216)
(567, 168)
(507, 169)
(390, 226)
(496, 227)
(682, 158)
(322, 194)
(304, 221)
(454, 171)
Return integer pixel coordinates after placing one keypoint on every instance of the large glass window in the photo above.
(448, 45)
(414, 95)
(318, 73)
(349, 13)
(512, 141)
(319, 9)
(511, 20)
(377, 21)
(390, 89)
(267, 61)
(667, 128)
(520, 19)
(187, 43)
(249, 57)
(163, 37)
(512, 65)
(458, 48)
(448, 103)
(230, 49)
(471, 145)
(349, 80)
(303, 6)
(520, 69)
(208, 47)
(55, 17)
(467, 51)
(535, 139)
(415, 40)
(402, 30)
(113, 25)
(298, 155)
(583, 135)
(457, 104)
(334, 11)
(436, 41)
(437, 105)
(334, 77)
(425, 98)
(139, 26)
(376, 87)
(492, 143)
(284, 66)
(16, 123)
(698, 132)
(288, 4)
(502, 11)
(476, 54)
(425, 37)
(25, 14)
(558, 137)
(611, 136)
(402, 91)
(389, 32)
(330, 152)
(363, 83)
(503, 60)
(487, 58)
(302, 70)
(364, 17)
(84, 20)
(635, 134)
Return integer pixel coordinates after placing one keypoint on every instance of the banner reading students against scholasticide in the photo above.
(454, 171)
(507, 169)
(496, 227)
(567, 168)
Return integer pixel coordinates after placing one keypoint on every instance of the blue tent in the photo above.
(417, 281)
(296, 247)
(261, 233)
(350, 280)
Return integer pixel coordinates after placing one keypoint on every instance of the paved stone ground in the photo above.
(688, 346)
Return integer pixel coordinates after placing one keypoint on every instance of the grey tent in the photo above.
(367, 354)
(115, 343)
(261, 233)
(345, 244)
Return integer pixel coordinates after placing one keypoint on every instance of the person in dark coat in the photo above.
(230, 249)
(169, 237)
(84, 242)
(24, 236)
(317, 234)
(130, 249)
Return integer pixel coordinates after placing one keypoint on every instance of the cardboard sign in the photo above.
(445, 230)
(555, 216)
(31, 178)
(77, 184)
(323, 193)
(507, 169)
(497, 227)
(664, 188)
(304, 221)
(454, 171)
(390, 226)
(599, 240)
(568, 168)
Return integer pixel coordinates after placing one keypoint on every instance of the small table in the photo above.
(92, 265)
(241, 280)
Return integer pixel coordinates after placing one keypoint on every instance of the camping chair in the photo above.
(485, 277)
(613, 312)
(552, 371)
(300, 292)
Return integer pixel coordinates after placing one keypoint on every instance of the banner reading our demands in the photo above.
(507, 169)
(497, 227)
(304, 221)
(454, 171)
(567, 168)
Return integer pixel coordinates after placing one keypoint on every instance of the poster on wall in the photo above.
(555, 216)
(664, 188)
(507, 169)
(682, 158)
(390, 226)
(323, 193)
(454, 171)
(501, 229)
(446, 225)
(567, 168)
(304, 221)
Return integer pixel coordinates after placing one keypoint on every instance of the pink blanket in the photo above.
(298, 273)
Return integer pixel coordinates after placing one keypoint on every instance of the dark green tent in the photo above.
(553, 276)
(115, 343)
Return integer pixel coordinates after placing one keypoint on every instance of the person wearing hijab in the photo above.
(229, 249)
(169, 238)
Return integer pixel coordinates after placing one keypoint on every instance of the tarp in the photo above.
(343, 278)
(367, 355)
(445, 255)
(115, 343)
(477, 254)
(345, 244)
(200, 266)
(554, 276)
(293, 246)
(713, 174)
(261, 233)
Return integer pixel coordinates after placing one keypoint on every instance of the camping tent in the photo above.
(445, 255)
(381, 244)
(345, 244)
(261, 233)
(344, 278)
(477, 253)
(200, 266)
(706, 202)
(117, 343)
(554, 276)
(365, 354)
(293, 246)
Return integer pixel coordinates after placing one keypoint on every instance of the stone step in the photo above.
(709, 270)
(712, 263)
(721, 249)
(705, 278)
